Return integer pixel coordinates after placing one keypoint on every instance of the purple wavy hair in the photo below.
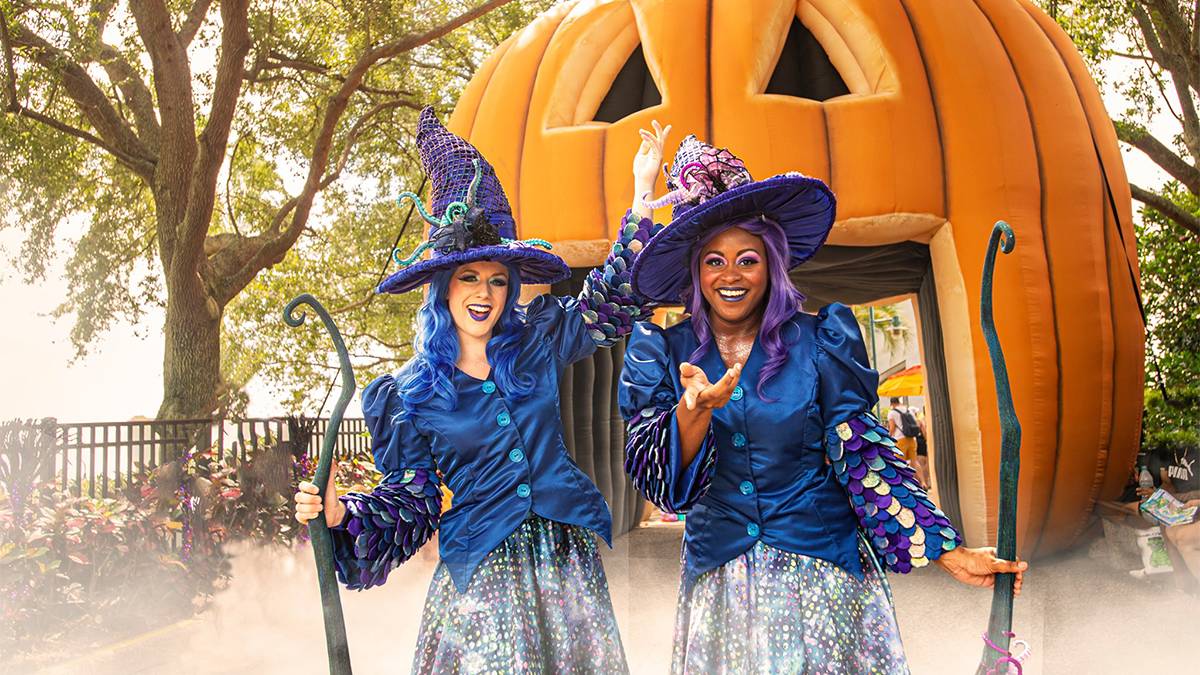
(783, 299)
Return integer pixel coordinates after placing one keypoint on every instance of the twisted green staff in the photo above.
(1000, 621)
(322, 542)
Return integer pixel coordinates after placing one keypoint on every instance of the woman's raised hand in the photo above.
(698, 392)
(646, 164)
(308, 502)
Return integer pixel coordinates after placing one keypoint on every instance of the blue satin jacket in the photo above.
(502, 459)
(803, 472)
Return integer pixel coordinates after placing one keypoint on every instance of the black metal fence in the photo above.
(100, 458)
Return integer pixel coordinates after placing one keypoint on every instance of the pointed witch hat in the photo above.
(469, 216)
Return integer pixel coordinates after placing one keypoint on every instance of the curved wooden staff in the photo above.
(1000, 622)
(322, 542)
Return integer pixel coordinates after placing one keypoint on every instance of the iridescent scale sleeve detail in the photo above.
(607, 302)
(903, 525)
(653, 461)
(385, 527)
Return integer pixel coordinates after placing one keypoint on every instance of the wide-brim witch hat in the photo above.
(710, 187)
(469, 216)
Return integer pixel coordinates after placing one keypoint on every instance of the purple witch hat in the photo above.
(469, 217)
(710, 187)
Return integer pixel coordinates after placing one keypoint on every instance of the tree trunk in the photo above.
(192, 354)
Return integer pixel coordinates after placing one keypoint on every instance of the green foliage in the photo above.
(76, 563)
(340, 265)
(886, 320)
(79, 561)
(80, 209)
(1171, 292)
(77, 207)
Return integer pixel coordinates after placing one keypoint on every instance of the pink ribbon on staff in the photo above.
(1012, 663)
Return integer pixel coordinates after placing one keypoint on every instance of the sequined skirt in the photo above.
(771, 611)
(539, 603)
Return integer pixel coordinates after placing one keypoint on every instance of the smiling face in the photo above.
(733, 277)
(476, 296)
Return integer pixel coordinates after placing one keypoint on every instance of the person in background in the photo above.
(921, 464)
(1173, 468)
(909, 433)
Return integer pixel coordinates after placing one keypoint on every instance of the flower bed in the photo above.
(104, 568)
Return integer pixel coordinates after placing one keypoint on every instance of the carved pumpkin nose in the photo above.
(930, 120)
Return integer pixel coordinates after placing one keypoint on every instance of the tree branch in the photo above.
(173, 86)
(1135, 57)
(353, 305)
(1174, 165)
(1173, 56)
(277, 61)
(202, 191)
(10, 71)
(1167, 208)
(1195, 28)
(328, 180)
(130, 82)
(99, 15)
(277, 247)
(376, 338)
(1149, 32)
(229, 286)
(229, 187)
(113, 133)
(195, 19)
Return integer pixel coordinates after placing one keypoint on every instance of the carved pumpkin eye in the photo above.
(631, 91)
(804, 70)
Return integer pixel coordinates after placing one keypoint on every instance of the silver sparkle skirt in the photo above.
(539, 603)
(771, 611)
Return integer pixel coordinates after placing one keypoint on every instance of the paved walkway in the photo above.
(1080, 615)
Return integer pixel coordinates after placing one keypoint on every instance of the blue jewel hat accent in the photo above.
(711, 186)
(469, 216)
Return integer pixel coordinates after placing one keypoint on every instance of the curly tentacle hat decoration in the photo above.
(469, 217)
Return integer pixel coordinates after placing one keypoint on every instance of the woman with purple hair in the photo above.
(754, 417)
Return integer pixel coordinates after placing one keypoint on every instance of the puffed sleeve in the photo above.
(386, 527)
(653, 458)
(606, 309)
(904, 526)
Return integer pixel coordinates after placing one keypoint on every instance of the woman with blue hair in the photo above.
(520, 586)
(755, 418)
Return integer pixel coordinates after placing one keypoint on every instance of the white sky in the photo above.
(121, 377)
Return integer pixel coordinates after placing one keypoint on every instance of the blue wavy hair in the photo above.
(427, 377)
(783, 299)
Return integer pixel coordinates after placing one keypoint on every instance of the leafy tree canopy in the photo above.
(166, 152)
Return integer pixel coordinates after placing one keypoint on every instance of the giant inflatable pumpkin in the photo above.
(930, 119)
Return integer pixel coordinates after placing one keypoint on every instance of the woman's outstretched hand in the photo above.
(694, 411)
(979, 567)
(698, 392)
(308, 502)
(646, 165)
